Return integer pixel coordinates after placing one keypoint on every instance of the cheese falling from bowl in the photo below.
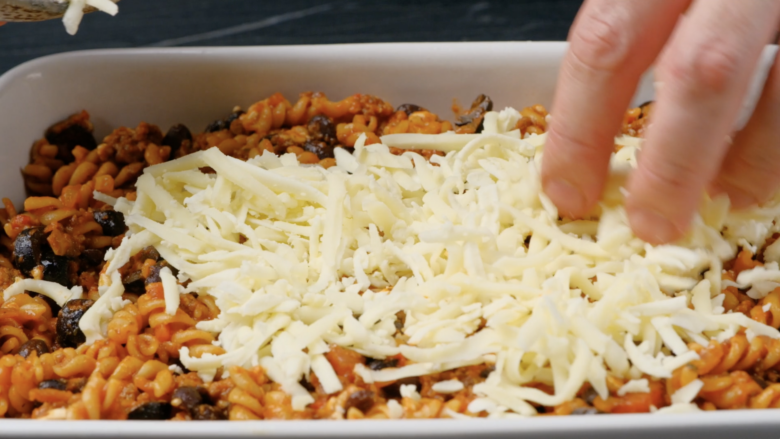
(468, 247)
(75, 12)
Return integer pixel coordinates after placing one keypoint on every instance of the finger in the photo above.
(705, 72)
(612, 43)
(750, 173)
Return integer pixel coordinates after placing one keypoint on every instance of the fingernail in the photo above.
(569, 199)
(652, 226)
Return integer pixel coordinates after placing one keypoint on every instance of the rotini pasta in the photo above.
(61, 233)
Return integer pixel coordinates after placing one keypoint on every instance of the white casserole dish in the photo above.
(197, 85)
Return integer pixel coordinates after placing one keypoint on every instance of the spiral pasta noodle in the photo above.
(135, 372)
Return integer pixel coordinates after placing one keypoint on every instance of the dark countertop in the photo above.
(143, 23)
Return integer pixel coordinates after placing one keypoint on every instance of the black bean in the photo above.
(71, 137)
(53, 384)
(177, 362)
(151, 411)
(150, 253)
(322, 149)
(189, 396)
(177, 135)
(91, 257)
(64, 153)
(409, 108)
(760, 381)
(28, 248)
(487, 371)
(233, 116)
(111, 221)
(307, 385)
(56, 269)
(476, 113)
(375, 364)
(321, 128)
(134, 283)
(154, 272)
(589, 395)
(394, 390)
(217, 125)
(586, 411)
(205, 412)
(223, 124)
(362, 400)
(69, 334)
(34, 345)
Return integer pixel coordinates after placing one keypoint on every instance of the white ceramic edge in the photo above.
(291, 51)
(644, 91)
(532, 427)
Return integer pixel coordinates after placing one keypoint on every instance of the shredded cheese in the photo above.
(170, 291)
(52, 290)
(449, 386)
(687, 393)
(634, 386)
(299, 258)
(75, 12)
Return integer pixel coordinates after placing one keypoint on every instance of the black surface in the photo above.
(265, 22)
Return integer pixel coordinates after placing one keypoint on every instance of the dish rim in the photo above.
(530, 427)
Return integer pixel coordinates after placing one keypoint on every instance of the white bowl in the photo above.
(197, 85)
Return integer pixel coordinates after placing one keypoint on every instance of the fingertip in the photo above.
(653, 227)
(569, 199)
(738, 198)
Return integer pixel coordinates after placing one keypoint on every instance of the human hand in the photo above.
(704, 70)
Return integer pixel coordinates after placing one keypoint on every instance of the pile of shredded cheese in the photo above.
(75, 11)
(299, 257)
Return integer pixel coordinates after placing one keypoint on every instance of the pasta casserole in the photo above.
(324, 259)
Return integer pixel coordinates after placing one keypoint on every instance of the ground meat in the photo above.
(130, 144)
(8, 277)
(206, 412)
(64, 243)
(362, 400)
